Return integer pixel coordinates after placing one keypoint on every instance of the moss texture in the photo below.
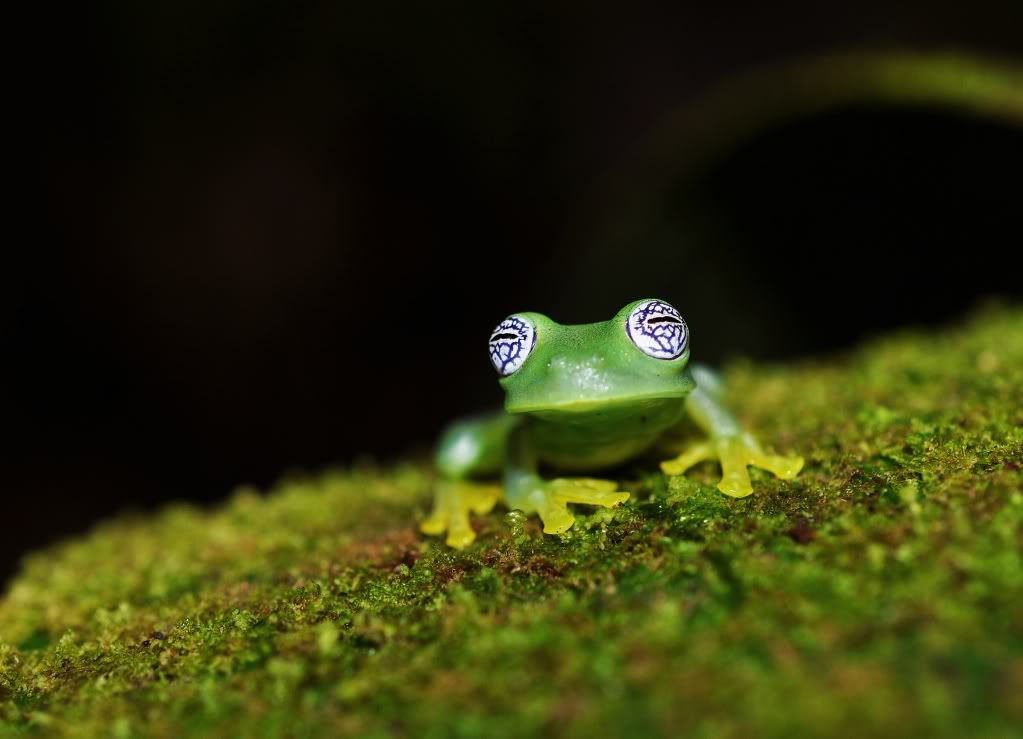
(881, 591)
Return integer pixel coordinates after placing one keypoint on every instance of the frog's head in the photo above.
(639, 355)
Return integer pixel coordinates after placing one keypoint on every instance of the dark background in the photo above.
(253, 238)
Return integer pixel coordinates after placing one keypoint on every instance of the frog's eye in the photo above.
(510, 344)
(657, 329)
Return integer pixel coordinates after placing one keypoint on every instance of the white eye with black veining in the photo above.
(658, 329)
(510, 344)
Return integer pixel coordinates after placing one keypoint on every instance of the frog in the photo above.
(581, 399)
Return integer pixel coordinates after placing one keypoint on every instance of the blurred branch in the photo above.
(703, 131)
(751, 103)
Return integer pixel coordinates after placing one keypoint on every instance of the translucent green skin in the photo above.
(587, 398)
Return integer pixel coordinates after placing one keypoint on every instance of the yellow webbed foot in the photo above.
(551, 500)
(734, 453)
(453, 502)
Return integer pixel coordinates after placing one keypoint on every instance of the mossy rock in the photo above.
(880, 592)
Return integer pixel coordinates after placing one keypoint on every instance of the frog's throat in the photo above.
(586, 405)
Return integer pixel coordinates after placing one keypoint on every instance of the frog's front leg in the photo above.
(525, 490)
(734, 448)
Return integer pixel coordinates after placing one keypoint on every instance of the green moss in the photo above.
(880, 592)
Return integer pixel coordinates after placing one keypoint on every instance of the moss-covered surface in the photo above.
(880, 592)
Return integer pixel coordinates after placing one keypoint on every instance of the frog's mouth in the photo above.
(591, 405)
(573, 388)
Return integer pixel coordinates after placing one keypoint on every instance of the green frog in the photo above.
(583, 398)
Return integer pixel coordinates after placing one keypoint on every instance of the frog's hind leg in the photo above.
(474, 447)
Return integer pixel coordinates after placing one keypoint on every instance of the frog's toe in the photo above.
(734, 455)
(452, 504)
(735, 482)
(785, 468)
(587, 491)
(693, 455)
(453, 520)
(460, 533)
(434, 524)
(555, 516)
(481, 499)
